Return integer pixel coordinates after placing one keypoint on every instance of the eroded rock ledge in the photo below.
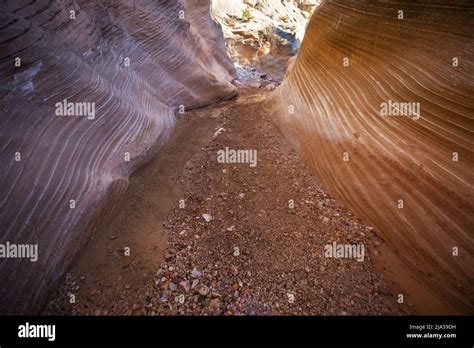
(411, 178)
(135, 62)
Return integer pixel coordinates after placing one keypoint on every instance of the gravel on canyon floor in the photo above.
(251, 239)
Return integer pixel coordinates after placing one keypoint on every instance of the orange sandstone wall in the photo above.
(356, 58)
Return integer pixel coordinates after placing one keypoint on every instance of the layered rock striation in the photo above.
(379, 103)
(89, 91)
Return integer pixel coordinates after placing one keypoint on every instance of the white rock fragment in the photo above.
(195, 273)
(270, 87)
(207, 217)
(291, 298)
(219, 131)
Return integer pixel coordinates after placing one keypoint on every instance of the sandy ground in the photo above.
(235, 247)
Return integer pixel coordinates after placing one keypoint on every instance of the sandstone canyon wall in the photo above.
(137, 61)
(411, 177)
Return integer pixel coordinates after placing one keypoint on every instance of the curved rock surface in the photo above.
(410, 177)
(135, 63)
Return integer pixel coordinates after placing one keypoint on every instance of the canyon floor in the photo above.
(235, 247)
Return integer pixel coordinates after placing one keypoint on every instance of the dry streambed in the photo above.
(213, 238)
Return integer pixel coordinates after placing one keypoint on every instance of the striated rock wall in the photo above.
(410, 176)
(134, 62)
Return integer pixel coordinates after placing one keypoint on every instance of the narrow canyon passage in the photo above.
(247, 240)
(236, 157)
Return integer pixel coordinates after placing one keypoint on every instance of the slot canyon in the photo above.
(236, 157)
